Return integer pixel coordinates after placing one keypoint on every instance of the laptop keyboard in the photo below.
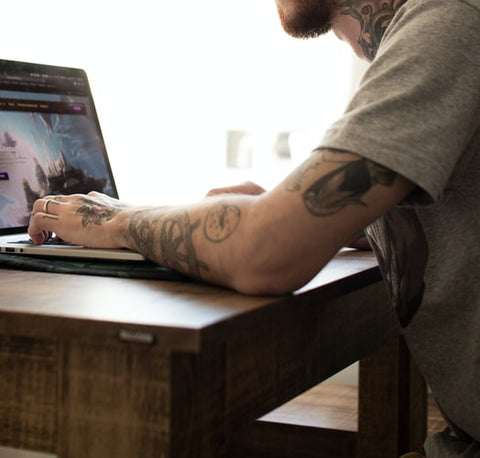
(52, 241)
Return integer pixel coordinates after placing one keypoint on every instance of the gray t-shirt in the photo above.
(417, 112)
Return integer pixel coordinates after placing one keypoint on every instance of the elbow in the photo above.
(264, 280)
(261, 286)
(262, 270)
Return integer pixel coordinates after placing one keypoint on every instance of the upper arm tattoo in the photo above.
(343, 186)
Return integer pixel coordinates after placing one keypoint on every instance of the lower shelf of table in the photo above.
(320, 423)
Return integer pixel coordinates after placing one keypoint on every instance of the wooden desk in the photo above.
(103, 367)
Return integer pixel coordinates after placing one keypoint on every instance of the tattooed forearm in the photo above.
(177, 246)
(345, 185)
(374, 17)
(141, 231)
(168, 238)
(220, 222)
(94, 213)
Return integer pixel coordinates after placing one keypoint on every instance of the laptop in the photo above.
(50, 143)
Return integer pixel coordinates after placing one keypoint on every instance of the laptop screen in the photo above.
(50, 139)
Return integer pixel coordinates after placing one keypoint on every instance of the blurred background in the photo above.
(191, 94)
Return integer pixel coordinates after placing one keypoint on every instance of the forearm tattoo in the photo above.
(220, 222)
(343, 186)
(94, 213)
(170, 237)
(374, 17)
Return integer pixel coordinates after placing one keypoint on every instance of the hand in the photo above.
(247, 188)
(360, 243)
(89, 220)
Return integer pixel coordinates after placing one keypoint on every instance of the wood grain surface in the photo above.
(106, 367)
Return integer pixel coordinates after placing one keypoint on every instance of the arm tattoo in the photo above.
(295, 179)
(343, 186)
(220, 222)
(94, 213)
(374, 17)
(142, 231)
(170, 237)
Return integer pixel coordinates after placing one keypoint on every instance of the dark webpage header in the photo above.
(40, 106)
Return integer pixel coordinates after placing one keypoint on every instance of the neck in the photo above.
(368, 20)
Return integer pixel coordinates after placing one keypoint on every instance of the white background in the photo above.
(171, 77)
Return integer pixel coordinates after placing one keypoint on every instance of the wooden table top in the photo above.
(62, 302)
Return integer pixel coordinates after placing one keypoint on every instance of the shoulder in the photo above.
(437, 19)
(418, 102)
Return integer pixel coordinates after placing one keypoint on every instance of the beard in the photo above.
(306, 18)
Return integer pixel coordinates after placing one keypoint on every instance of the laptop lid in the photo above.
(50, 143)
(50, 139)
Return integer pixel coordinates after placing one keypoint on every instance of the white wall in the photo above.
(170, 77)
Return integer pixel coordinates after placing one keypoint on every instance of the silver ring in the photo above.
(45, 206)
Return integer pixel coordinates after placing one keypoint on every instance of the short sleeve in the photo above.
(417, 107)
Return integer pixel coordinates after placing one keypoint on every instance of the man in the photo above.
(403, 160)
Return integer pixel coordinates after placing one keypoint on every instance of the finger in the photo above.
(51, 206)
(38, 205)
(247, 188)
(232, 189)
(43, 237)
(41, 227)
(216, 191)
(56, 197)
(46, 205)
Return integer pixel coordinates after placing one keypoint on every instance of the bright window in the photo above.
(191, 94)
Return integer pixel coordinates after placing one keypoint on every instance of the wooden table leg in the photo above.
(392, 412)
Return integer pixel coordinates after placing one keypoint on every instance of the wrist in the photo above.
(120, 229)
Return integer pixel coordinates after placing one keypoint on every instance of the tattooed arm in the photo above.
(269, 243)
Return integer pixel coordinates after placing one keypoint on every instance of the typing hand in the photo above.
(89, 220)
